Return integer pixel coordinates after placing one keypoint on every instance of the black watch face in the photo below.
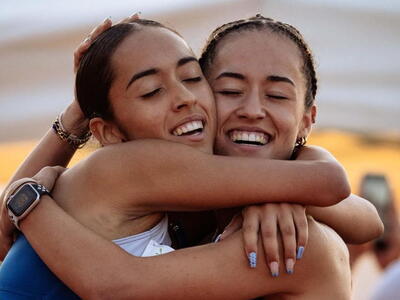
(22, 200)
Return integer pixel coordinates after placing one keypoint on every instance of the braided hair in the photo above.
(261, 23)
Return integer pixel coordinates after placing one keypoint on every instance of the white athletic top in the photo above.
(152, 242)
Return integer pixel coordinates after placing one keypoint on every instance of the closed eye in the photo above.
(277, 97)
(230, 93)
(194, 79)
(151, 94)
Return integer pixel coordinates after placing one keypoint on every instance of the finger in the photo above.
(234, 225)
(270, 242)
(5, 247)
(288, 233)
(135, 16)
(58, 170)
(100, 29)
(84, 46)
(129, 19)
(48, 175)
(300, 221)
(251, 227)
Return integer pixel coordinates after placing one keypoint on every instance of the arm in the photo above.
(354, 219)
(194, 272)
(171, 176)
(50, 151)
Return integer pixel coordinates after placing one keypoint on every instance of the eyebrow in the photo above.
(239, 76)
(280, 79)
(186, 60)
(230, 75)
(142, 74)
(153, 71)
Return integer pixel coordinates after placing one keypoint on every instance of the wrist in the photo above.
(75, 140)
(23, 200)
(74, 121)
(32, 218)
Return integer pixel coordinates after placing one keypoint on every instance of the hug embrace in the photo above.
(202, 160)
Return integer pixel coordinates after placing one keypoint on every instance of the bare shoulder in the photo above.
(325, 264)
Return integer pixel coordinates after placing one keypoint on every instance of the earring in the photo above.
(301, 141)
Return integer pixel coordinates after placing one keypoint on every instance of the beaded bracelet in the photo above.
(75, 141)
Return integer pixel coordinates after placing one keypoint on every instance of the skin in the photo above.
(106, 129)
(266, 95)
(254, 102)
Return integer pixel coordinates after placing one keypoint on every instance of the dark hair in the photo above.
(261, 23)
(95, 73)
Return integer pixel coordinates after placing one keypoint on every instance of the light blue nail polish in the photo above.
(252, 259)
(275, 274)
(300, 252)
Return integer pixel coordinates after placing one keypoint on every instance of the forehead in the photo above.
(258, 52)
(153, 47)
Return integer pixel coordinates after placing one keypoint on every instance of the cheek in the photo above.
(287, 121)
(225, 109)
(142, 121)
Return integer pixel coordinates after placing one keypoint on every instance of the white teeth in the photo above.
(252, 137)
(187, 127)
(246, 136)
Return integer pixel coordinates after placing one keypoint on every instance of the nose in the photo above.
(182, 97)
(251, 107)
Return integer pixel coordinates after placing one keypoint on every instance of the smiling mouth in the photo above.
(253, 138)
(189, 128)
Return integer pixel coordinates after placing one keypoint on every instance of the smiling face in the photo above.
(159, 90)
(257, 80)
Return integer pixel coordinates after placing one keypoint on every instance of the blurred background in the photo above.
(356, 45)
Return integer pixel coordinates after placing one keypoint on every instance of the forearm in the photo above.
(194, 272)
(354, 219)
(170, 176)
(50, 151)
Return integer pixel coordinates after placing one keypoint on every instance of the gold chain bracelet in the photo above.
(75, 141)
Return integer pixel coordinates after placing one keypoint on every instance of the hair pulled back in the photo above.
(261, 23)
(95, 73)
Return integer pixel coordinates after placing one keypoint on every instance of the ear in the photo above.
(307, 121)
(106, 132)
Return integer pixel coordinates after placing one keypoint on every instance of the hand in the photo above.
(84, 46)
(7, 231)
(48, 176)
(292, 223)
(73, 119)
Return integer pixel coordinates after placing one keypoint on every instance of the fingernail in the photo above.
(252, 259)
(300, 252)
(289, 265)
(106, 19)
(274, 268)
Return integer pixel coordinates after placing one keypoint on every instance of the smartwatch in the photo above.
(23, 200)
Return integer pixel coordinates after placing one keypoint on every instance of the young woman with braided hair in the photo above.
(272, 140)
